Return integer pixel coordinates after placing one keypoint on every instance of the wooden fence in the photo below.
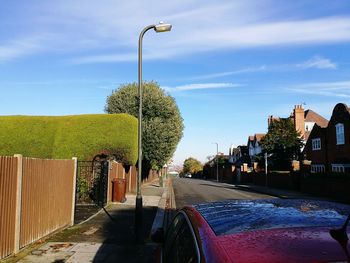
(36, 198)
(8, 183)
(118, 170)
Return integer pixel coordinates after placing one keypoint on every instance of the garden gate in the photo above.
(92, 177)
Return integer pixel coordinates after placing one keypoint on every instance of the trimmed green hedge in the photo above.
(62, 137)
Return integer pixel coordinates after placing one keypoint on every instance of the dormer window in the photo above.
(316, 144)
(339, 129)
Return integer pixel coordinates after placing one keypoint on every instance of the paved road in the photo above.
(193, 191)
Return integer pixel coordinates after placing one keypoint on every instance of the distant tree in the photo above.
(283, 142)
(161, 119)
(192, 166)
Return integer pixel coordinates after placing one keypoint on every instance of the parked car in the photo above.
(188, 175)
(274, 230)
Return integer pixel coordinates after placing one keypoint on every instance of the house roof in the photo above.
(340, 107)
(235, 151)
(250, 140)
(243, 149)
(311, 116)
(259, 136)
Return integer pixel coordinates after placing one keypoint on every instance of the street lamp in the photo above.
(266, 156)
(217, 161)
(265, 168)
(161, 27)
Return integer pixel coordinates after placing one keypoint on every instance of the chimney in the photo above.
(269, 121)
(299, 121)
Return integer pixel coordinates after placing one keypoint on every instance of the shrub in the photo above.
(62, 137)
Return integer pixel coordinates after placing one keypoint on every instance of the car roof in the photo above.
(306, 244)
(236, 216)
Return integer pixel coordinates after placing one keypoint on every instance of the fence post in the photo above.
(18, 202)
(129, 179)
(75, 160)
(110, 163)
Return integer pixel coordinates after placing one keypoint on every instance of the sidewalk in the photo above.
(109, 235)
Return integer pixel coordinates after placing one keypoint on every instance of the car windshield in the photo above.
(237, 216)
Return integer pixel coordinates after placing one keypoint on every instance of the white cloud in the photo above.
(318, 63)
(229, 73)
(124, 57)
(19, 48)
(339, 89)
(184, 40)
(108, 30)
(199, 86)
(106, 58)
(315, 62)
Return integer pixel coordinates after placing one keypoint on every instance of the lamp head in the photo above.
(162, 27)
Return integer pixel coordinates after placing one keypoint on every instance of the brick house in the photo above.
(239, 158)
(315, 149)
(303, 120)
(250, 145)
(254, 148)
(234, 154)
(328, 148)
(254, 144)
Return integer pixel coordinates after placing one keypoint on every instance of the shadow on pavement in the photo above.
(109, 236)
(119, 244)
(84, 211)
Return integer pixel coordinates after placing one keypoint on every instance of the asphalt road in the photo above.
(194, 191)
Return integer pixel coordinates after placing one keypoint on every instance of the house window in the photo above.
(317, 168)
(339, 128)
(338, 168)
(316, 144)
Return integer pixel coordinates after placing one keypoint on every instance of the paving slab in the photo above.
(90, 252)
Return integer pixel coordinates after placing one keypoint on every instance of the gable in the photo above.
(311, 116)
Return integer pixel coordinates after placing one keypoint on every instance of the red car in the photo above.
(276, 230)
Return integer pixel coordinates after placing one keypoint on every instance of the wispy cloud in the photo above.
(124, 57)
(330, 89)
(20, 47)
(318, 63)
(106, 58)
(200, 86)
(229, 73)
(292, 33)
(91, 32)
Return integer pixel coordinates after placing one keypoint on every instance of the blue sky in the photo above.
(229, 64)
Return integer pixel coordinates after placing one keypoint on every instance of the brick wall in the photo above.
(338, 153)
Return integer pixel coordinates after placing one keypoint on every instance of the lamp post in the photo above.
(266, 164)
(161, 27)
(217, 161)
(265, 168)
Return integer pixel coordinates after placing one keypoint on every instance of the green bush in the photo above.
(62, 137)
